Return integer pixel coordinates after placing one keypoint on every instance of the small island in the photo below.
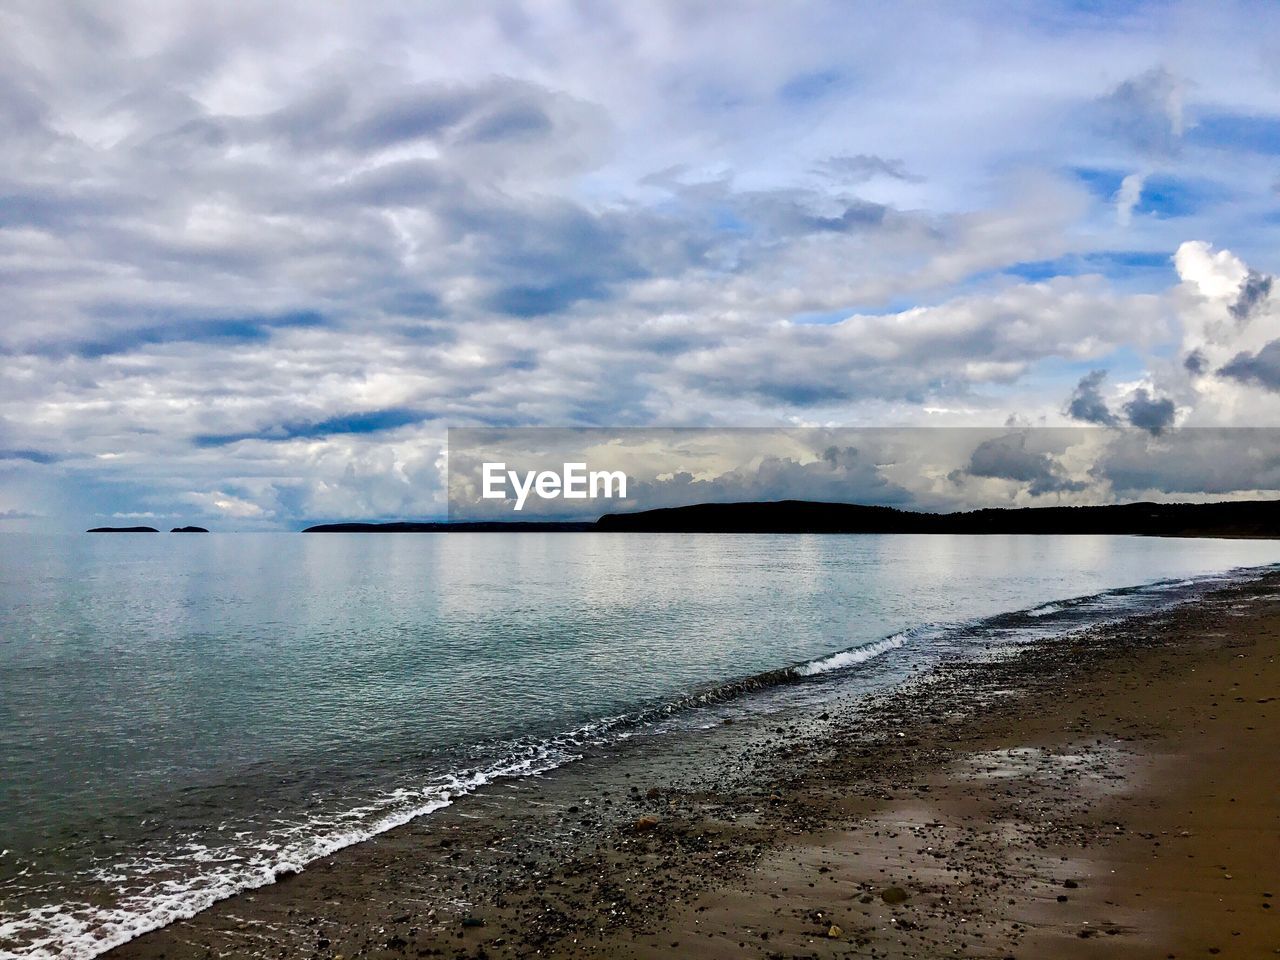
(122, 530)
(188, 530)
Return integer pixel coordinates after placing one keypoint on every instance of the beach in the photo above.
(1111, 793)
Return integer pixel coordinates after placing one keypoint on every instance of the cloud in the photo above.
(1262, 368)
(225, 505)
(1253, 292)
(833, 474)
(1152, 414)
(861, 167)
(1007, 458)
(1087, 403)
(179, 330)
(1212, 275)
(1230, 369)
(273, 253)
(1146, 111)
(1128, 197)
(31, 456)
(364, 422)
(1142, 409)
(915, 353)
(19, 515)
(1191, 463)
(918, 468)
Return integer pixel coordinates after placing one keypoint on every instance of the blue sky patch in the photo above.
(806, 87)
(247, 329)
(372, 421)
(1168, 196)
(1237, 131)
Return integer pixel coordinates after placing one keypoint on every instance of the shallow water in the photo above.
(181, 717)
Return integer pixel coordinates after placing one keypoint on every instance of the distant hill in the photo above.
(1244, 518)
(123, 530)
(188, 530)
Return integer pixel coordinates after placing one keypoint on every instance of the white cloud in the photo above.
(1215, 276)
(1128, 196)
(225, 505)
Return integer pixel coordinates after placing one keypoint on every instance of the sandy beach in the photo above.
(1111, 794)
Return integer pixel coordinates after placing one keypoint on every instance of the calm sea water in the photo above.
(183, 716)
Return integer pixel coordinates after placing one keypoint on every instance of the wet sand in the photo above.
(1111, 794)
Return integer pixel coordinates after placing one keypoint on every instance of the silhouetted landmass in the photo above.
(188, 530)
(487, 526)
(123, 530)
(1245, 518)
(1240, 518)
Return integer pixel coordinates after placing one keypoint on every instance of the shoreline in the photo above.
(780, 835)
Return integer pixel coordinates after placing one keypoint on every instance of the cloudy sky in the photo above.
(257, 258)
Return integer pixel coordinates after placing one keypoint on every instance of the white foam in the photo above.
(1045, 610)
(847, 658)
(79, 931)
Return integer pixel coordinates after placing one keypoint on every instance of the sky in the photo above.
(258, 258)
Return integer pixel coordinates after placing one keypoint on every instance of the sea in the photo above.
(183, 717)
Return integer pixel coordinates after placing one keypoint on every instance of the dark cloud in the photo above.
(1149, 413)
(31, 456)
(1087, 402)
(511, 122)
(545, 258)
(1190, 461)
(1262, 368)
(61, 208)
(1146, 112)
(1142, 410)
(854, 216)
(426, 111)
(372, 112)
(211, 331)
(1254, 290)
(1007, 458)
(780, 214)
(403, 183)
(537, 301)
(859, 168)
(1195, 362)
